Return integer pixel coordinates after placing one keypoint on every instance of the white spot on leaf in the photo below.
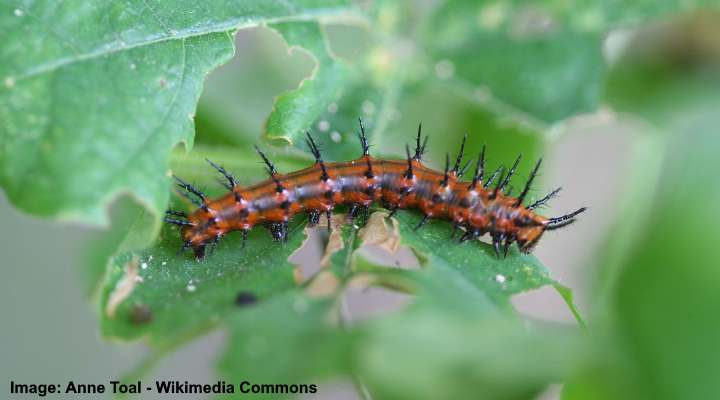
(492, 15)
(444, 69)
(368, 107)
(482, 94)
(335, 136)
(616, 43)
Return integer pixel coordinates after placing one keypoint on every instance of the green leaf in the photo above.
(519, 58)
(94, 96)
(673, 338)
(442, 355)
(454, 341)
(171, 297)
(75, 138)
(662, 285)
(329, 102)
(594, 14)
(665, 293)
(101, 247)
(670, 90)
(474, 262)
(337, 128)
(235, 104)
(295, 111)
(453, 332)
(497, 277)
(538, 62)
(673, 94)
(291, 330)
(567, 295)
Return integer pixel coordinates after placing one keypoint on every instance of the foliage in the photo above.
(94, 97)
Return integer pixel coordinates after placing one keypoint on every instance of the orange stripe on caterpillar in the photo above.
(477, 205)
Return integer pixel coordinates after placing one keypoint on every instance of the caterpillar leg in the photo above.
(313, 217)
(199, 252)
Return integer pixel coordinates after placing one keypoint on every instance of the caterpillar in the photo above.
(479, 206)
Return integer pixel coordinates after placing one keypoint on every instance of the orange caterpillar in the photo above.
(475, 205)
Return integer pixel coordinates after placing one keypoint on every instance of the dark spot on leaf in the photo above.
(140, 314)
(244, 299)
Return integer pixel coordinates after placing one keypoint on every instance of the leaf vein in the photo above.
(118, 46)
(156, 16)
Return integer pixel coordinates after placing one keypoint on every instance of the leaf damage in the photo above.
(124, 287)
(381, 231)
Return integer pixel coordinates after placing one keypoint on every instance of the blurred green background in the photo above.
(619, 98)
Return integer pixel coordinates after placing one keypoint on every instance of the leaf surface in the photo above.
(95, 95)
(295, 111)
(659, 275)
(535, 62)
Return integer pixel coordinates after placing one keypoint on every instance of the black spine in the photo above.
(496, 238)
(409, 172)
(176, 213)
(190, 188)
(446, 177)
(499, 183)
(420, 144)
(544, 199)
(493, 176)
(479, 170)
(363, 139)
(272, 171)
(510, 173)
(228, 176)
(526, 189)
(566, 217)
(459, 158)
(178, 222)
(422, 222)
(318, 157)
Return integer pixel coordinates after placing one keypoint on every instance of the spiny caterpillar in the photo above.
(475, 205)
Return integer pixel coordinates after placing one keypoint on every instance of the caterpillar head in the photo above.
(209, 223)
(528, 237)
(199, 234)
